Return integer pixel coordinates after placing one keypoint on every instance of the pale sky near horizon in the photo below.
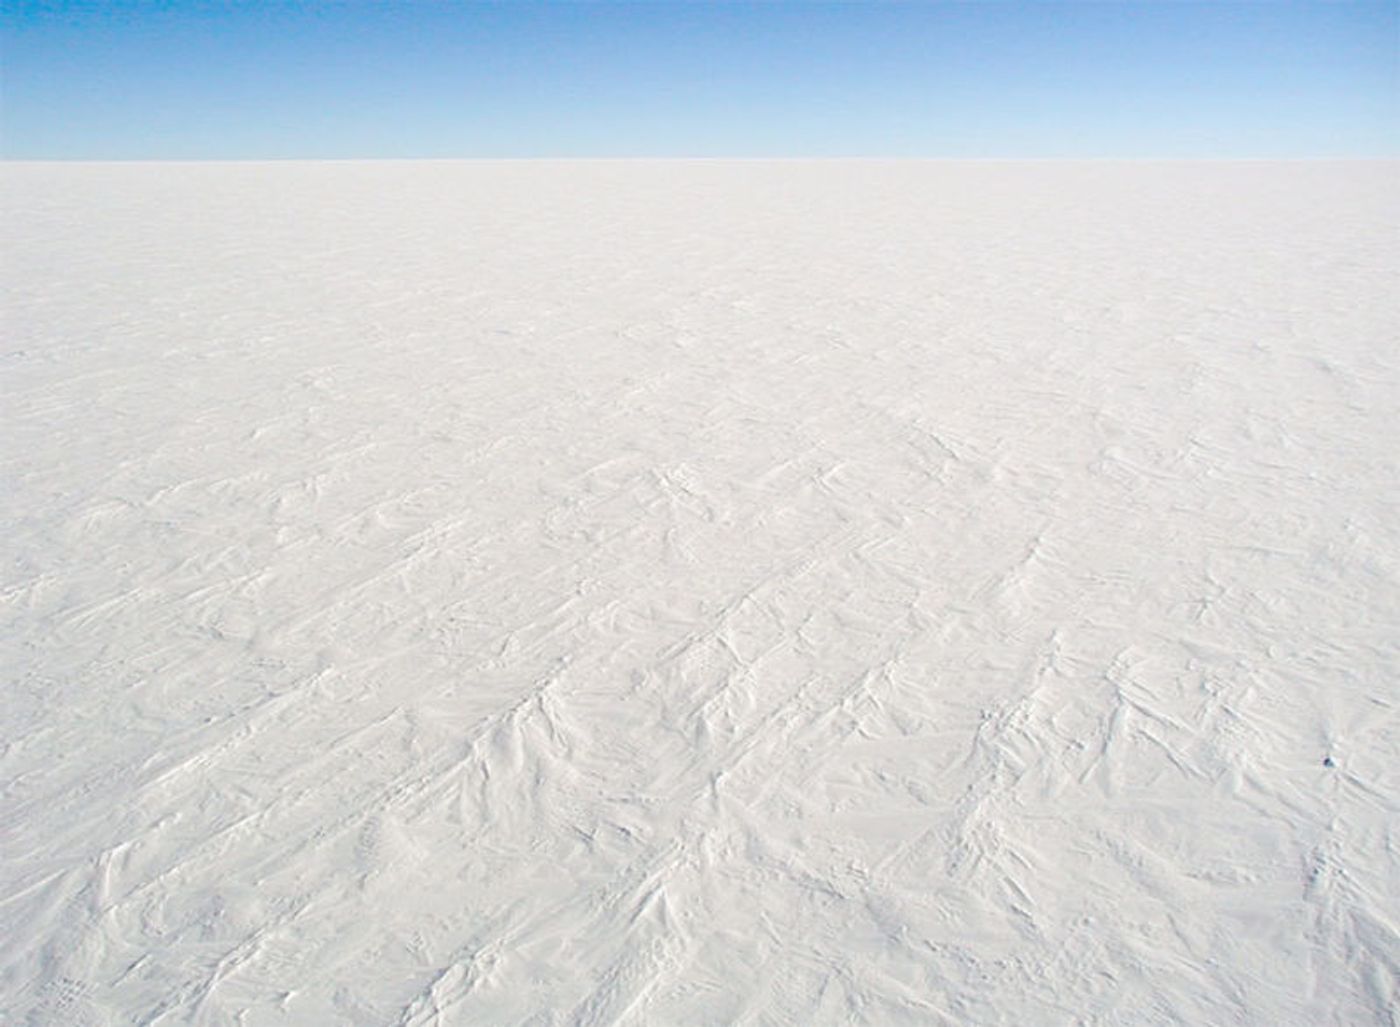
(219, 80)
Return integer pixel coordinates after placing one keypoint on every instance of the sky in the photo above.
(164, 79)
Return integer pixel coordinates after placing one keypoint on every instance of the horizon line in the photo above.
(715, 158)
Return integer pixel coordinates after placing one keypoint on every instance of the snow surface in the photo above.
(700, 593)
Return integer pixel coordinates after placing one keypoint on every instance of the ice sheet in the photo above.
(700, 593)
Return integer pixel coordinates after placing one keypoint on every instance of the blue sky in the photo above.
(220, 80)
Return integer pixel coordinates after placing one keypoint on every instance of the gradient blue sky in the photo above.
(175, 80)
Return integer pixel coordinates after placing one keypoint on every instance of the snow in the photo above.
(700, 593)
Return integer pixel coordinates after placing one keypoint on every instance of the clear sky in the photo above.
(176, 80)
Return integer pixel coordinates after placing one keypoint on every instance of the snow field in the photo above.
(700, 593)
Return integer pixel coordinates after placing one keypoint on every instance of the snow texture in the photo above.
(700, 593)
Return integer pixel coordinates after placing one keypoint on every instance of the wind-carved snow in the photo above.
(681, 593)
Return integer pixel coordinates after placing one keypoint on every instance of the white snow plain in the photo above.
(701, 593)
